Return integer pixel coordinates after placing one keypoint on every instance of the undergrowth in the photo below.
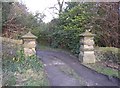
(18, 67)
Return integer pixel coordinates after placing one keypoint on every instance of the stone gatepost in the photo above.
(87, 47)
(29, 44)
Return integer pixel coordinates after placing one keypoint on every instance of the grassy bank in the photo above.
(100, 68)
(29, 72)
(107, 61)
(21, 71)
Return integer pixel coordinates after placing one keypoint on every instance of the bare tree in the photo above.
(59, 9)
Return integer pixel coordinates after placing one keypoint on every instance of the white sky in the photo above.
(40, 6)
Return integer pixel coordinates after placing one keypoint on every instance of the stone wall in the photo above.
(19, 42)
(107, 54)
(9, 46)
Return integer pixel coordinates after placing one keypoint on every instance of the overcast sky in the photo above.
(41, 6)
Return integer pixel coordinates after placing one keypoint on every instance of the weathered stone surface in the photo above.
(86, 54)
(88, 40)
(29, 51)
(89, 57)
(29, 44)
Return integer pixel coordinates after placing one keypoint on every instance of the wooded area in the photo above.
(63, 32)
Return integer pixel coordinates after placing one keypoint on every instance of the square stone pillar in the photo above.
(29, 44)
(86, 54)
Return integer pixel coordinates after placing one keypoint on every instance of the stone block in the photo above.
(89, 57)
(29, 51)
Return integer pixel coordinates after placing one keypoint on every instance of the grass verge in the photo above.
(14, 74)
(21, 71)
(103, 69)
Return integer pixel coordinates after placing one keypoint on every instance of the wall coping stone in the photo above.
(29, 35)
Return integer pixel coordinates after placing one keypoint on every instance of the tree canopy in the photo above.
(17, 20)
(63, 32)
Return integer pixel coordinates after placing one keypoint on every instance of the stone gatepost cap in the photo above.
(29, 35)
(87, 34)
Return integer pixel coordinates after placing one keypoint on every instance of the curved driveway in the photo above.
(53, 59)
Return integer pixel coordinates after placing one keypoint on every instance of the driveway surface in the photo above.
(57, 63)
